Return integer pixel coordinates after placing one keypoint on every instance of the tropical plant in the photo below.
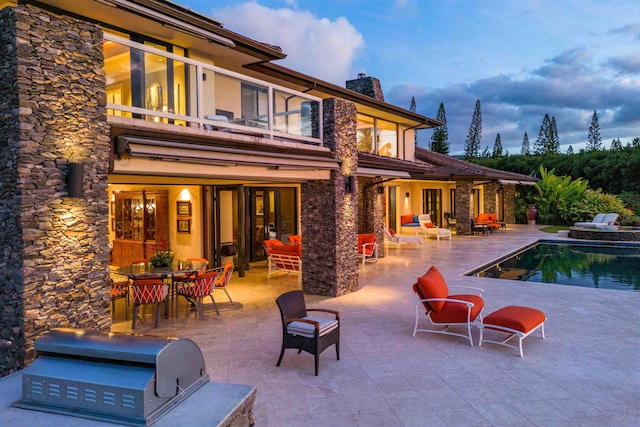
(556, 196)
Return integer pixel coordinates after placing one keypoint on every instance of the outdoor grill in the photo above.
(118, 378)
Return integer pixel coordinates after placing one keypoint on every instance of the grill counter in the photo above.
(119, 378)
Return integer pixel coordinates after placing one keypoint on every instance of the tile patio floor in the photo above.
(586, 373)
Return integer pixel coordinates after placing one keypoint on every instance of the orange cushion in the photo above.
(454, 312)
(522, 319)
(366, 238)
(406, 219)
(433, 285)
(429, 224)
(294, 250)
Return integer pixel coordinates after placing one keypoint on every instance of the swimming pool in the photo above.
(607, 266)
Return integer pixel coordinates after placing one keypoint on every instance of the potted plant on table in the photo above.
(163, 257)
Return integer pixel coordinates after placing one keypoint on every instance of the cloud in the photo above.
(625, 64)
(570, 62)
(317, 46)
(632, 30)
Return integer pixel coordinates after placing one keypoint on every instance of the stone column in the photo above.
(490, 201)
(329, 215)
(371, 210)
(54, 263)
(509, 201)
(464, 207)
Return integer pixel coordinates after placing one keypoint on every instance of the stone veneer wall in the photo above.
(54, 263)
(509, 199)
(328, 215)
(464, 207)
(490, 199)
(370, 210)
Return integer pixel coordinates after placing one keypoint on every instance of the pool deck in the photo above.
(586, 372)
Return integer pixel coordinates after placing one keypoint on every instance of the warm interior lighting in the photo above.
(184, 195)
(406, 195)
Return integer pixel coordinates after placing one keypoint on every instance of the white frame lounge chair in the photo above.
(400, 238)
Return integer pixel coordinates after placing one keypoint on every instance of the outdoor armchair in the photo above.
(312, 334)
(444, 310)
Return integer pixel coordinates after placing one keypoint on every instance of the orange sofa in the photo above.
(490, 220)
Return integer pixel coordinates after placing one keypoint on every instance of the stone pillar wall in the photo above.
(329, 215)
(509, 201)
(490, 200)
(371, 210)
(464, 207)
(54, 264)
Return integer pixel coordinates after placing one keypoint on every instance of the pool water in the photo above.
(593, 266)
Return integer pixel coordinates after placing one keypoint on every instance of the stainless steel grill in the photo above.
(124, 379)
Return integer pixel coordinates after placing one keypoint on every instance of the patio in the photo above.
(584, 374)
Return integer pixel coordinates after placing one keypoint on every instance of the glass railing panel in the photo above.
(149, 83)
(295, 115)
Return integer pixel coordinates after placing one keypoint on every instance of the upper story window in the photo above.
(377, 136)
(157, 82)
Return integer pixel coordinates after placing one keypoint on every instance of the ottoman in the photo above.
(518, 321)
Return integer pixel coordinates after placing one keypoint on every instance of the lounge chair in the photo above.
(400, 238)
(600, 221)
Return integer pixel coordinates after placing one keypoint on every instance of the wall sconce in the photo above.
(351, 185)
(406, 195)
(381, 190)
(75, 180)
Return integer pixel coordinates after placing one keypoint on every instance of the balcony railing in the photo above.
(147, 82)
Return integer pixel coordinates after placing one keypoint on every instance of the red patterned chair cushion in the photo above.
(148, 291)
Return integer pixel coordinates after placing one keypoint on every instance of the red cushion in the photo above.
(366, 238)
(406, 219)
(433, 285)
(454, 312)
(522, 319)
(393, 233)
(295, 250)
(429, 224)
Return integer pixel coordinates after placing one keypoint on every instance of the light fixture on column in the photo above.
(351, 185)
(406, 194)
(75, 180)
(381, 190)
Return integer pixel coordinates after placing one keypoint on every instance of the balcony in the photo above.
(146, 82)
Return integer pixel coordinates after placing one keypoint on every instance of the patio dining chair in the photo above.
(223, 280)
(148, 291)
(196, 290)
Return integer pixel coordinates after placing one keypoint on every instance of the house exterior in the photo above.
(134, 124)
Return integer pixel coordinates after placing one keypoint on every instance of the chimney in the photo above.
(369, 86)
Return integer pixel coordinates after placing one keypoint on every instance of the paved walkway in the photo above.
(586, 373)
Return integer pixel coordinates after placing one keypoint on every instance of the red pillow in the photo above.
(433, 285)
(428, 225)
(393, 233)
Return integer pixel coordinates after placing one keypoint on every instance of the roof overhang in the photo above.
(157, 149)
(515, 182)
(383, 173)
(321, 88)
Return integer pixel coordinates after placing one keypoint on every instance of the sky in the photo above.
(521, 59)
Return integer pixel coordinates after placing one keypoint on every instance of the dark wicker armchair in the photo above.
(303, 332)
